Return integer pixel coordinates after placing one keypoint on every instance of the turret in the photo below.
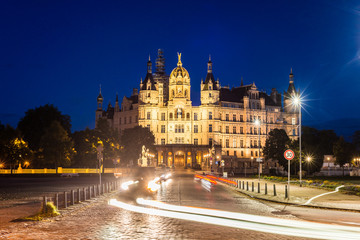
(289, 94)
(209, 88)
(100, 100)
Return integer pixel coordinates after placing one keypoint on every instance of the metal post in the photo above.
(44, 203)
(247, 186)
(79, 198)
(90, 192)
(274, 190)
(258, 187)
(84, 190)
(252, 186)
(289, 176)
(65, 199)
(57, 200)
(286, 192)
(300, 143)
(72, 197)
(265, 188)
(259, 149)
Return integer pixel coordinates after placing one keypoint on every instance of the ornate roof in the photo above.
(179, 70)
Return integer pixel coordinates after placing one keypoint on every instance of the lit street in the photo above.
(96, 219)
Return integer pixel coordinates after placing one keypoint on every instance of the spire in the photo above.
(179, 60)
(291, 76)
(117, 97)
(242, 81)
(160, 62)
(149, 66)
(209, 69)
(100, 97)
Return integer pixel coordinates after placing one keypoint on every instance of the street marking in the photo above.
(336, 190)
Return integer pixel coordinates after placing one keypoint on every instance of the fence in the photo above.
(261, 188)
(74, 196)
(63, 170)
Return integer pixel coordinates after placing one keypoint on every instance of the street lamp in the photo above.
(308, 159)
(296, 101)
(257, 123)
(328, 159)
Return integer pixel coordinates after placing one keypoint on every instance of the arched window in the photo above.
(148, 94)
(209, 87)
(188, 115)
(171, 116)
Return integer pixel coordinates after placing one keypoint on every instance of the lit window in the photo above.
(227, 143)
(234, 143)
(162, 128)
(234, 129)
(163, 141)
(162, 116)
(196, 141)
(196, 129)
(148, 115)
(195, 116)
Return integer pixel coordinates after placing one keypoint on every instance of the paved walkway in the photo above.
(299, 195)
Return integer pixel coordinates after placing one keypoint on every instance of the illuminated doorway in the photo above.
(179, 159)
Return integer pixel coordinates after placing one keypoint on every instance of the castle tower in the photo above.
(179, 82)
(209, 88)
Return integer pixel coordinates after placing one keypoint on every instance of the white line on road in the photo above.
(336, 190)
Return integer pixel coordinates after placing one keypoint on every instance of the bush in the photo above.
(48, 211)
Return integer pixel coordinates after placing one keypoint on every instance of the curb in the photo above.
(292, 204)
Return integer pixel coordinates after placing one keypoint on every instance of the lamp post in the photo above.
(328, 159)
(257, 123)
(297, 102)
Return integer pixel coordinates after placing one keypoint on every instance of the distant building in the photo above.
(223, 124)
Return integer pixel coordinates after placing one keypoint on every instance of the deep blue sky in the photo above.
(59, 52)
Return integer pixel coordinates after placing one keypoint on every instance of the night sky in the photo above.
(59, 52)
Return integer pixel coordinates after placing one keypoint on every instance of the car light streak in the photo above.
(268, 224)
(221, 179)
(205, 178)
(206, 184)
(154, 185)
(125, 185)
(310, 200)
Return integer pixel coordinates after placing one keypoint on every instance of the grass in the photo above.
(46, 212)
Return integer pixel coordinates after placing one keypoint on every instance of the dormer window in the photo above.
(209, 87)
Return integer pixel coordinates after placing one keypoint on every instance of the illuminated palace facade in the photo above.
(221, 128)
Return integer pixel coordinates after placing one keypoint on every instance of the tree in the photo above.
(35, 121)
(56, 146)
(105, 135)
(85, 142)
(275, 146)
(132, 141)
(356, 140)
(316, 144)
(17, 151)
(343, 152)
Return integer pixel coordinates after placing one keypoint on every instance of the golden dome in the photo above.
(179, 70)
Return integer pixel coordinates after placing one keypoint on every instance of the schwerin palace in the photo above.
(221, 128)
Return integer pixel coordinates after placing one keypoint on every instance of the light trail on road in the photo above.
(243, 221)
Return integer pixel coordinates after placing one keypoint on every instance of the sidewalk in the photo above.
(298, 195)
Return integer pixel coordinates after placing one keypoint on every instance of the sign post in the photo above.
(289, 155)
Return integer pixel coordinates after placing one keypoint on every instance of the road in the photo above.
(99, 220)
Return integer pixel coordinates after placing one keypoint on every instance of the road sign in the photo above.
(222, 162)
(289, 154)
(258, 160)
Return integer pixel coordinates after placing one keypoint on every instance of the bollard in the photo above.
(286, 192)
(247, 186)
(79, 198)
(258, 187)
(84, 191)
(274, 190)
(99, 189)
(94, 188)
(44, 203)
(265, 188)
(65, 199)
(57, 200)
(252, 186)
(243, 187)
(72, 195)
(89, 192)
